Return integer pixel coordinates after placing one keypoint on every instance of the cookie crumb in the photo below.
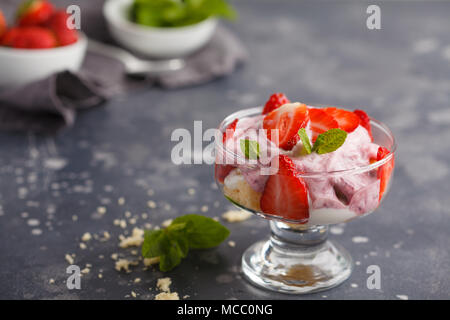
(86, 237)
(163, 284)
(236, 215)
(69, 259)
(167, 296)
(151, 261)
(135, 240)
(166, 223)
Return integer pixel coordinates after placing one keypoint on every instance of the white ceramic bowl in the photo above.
(21, 66)
(151, 41)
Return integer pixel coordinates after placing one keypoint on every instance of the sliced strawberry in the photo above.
(230, 130)
(285, 194)
(385, 171)
(221, 171)
(3, 25)
(29, 38)
(347, 120)
(275, 101)
(321, 121)
(58, 24)
(287, 119)
(34, 13)
(364, 121)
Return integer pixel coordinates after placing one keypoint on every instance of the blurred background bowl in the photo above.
(21, 66)
(168, 42)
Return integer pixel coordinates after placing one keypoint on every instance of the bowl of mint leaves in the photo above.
(165, 28)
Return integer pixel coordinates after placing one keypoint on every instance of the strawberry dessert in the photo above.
(38, 26)
(302, 164)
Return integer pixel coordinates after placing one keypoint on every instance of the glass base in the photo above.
(296, 260)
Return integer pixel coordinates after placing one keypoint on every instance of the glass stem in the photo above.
(299, 237)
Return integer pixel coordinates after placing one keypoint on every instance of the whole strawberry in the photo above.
(58, 24)
(29, 38)
(34, 13)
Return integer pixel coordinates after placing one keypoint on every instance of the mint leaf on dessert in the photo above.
(329, 141)
(186, 232)
(203, 232)
(305, 140)
(250, 148)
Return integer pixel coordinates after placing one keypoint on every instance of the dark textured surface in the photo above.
(316, 52)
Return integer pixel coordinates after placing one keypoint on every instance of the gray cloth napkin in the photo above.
(47, 105)
(52, 103)
(219, 58)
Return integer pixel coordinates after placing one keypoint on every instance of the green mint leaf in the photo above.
(156, 243)
(171, 258)
(329, 141)
(176, 226)
(177, 233)
(172, 244)
(250, 148)
(177, 13)
(203, 232)
(181, 241)
(305, 140)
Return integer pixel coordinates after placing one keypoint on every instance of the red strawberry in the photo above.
(34, 13)
(275, 101)
(230, 130)
(3, 25)
(364, 121)
(58, 24)
(321, 121)
(29, 38)
(221, 171)
(287, 119)
(385, 171)
(286, 194)
(347, 120)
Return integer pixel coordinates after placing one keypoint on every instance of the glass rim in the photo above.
(257, 110)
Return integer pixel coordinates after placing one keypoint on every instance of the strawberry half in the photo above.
(221, 171)
(287, 119)
(385, 171)
(275, 101)
(347, 120)
(34, 13)
(29, 38)
(230, 130)
(285, 194)
(58, 24)
(364, 121)
(3, 25)
(321, 121)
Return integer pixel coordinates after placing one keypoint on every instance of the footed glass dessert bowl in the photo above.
(327, 173)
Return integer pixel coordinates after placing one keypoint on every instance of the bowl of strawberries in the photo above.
(38, 43)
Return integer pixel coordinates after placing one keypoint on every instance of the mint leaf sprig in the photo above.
(173, 243)
(249, 148)
(326, 142)
(170, 13)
